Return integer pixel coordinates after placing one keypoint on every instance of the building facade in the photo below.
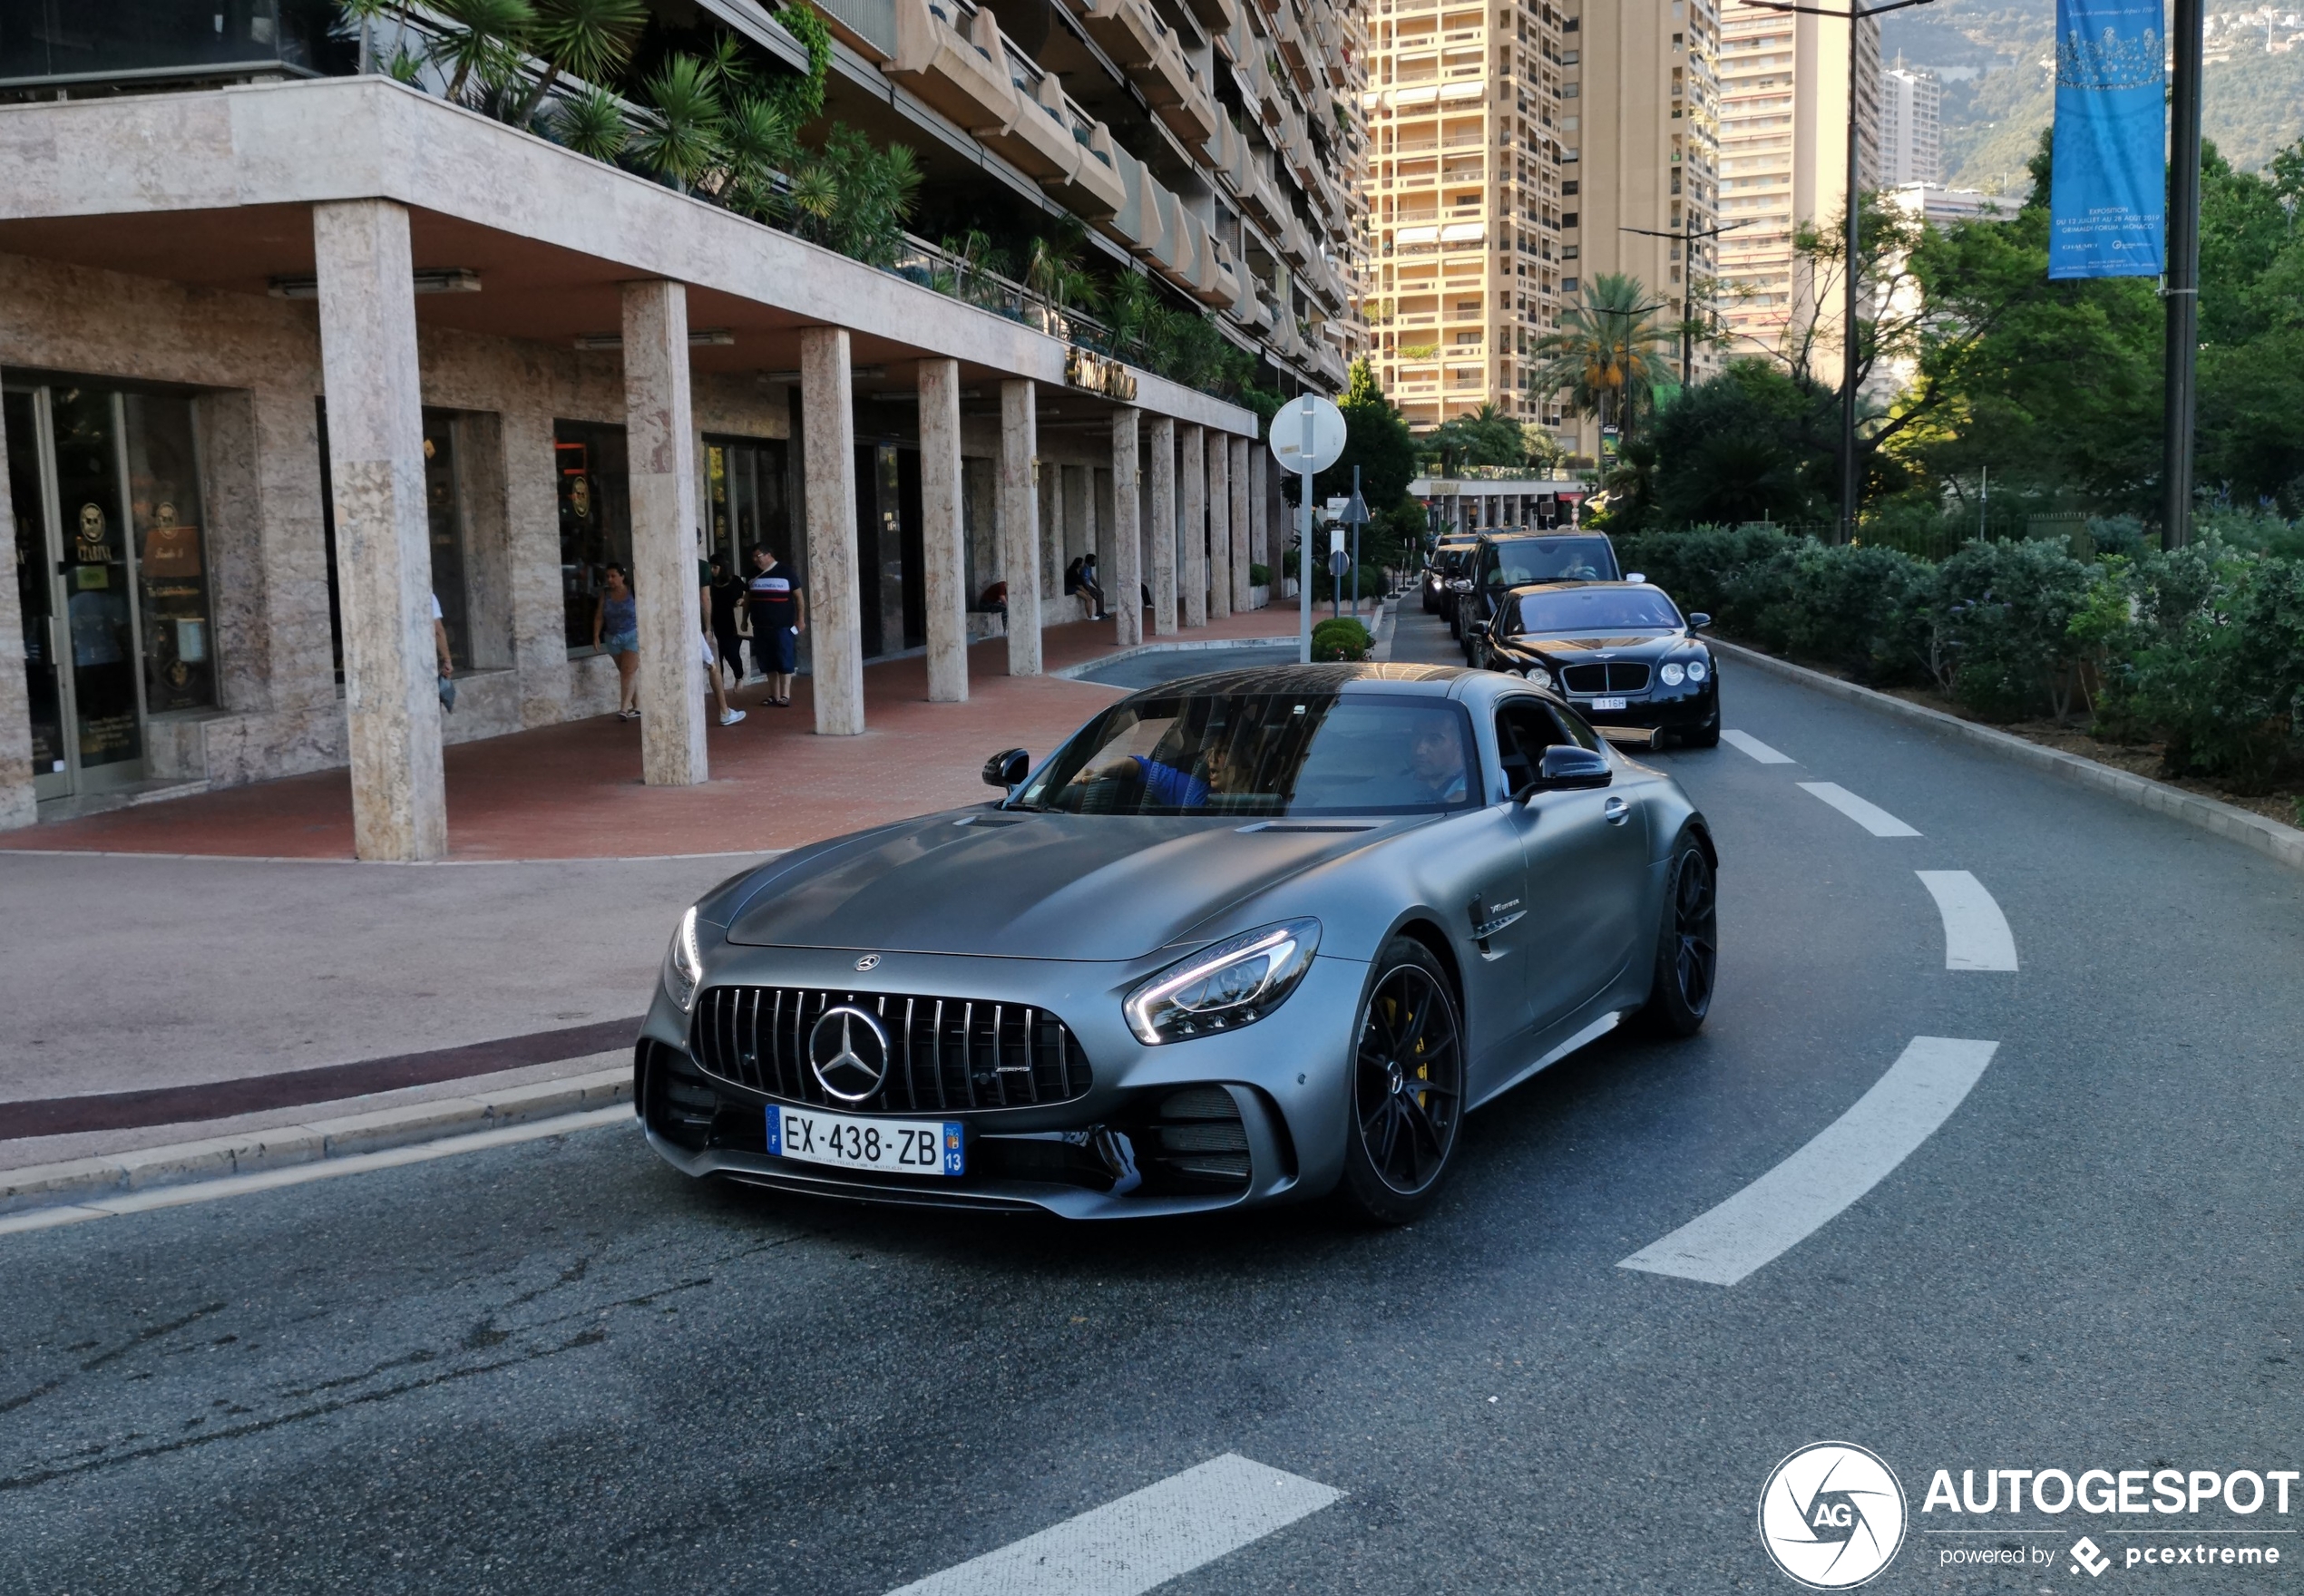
(289, 355)
(1518, 153)
(1784, 105)
(1911, 115)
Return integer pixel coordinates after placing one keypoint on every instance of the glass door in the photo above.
(36, 595)
(96, 587)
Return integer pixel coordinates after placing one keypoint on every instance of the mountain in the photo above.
(1994, 57)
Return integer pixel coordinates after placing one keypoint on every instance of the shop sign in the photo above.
(1097, 373)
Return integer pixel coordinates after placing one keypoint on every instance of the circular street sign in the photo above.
(1307, 434)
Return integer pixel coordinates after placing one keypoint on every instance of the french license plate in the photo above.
(1607, 703)
(901, 1146)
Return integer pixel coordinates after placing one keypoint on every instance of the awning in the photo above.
(1416, 236)
(1462, 232)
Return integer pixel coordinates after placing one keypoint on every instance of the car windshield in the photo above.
(1520, 562)
(1451, 561)
(1595, 610)
(1254, 754)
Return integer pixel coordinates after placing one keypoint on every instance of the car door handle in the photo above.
(1616, 811)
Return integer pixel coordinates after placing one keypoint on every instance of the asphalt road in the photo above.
(561, 1366)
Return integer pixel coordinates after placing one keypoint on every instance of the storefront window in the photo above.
(595, 517)
(36, 585)
(164, 501)
(99, 603)
(444, 511)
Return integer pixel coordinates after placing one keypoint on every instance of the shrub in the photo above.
(2004, 612)
(1693, 566)
(1260, 576)
(1341, 638)
(2222, 680)
(1856, 608)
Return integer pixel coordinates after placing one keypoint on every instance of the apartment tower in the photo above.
(1785, 91)
(1912, 107)
(1513, 149)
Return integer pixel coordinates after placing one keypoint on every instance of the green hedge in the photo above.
(1340, 637)
(2201, 647)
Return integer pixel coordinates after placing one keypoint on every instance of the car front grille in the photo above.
(1605, 678)
(945, 1053)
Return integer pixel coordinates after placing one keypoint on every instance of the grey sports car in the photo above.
(1258, 936)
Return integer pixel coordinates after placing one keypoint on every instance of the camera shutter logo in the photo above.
(1832, 1515)
(848, 1051)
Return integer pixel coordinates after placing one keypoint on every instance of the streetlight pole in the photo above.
(2184, 277)
(1688, 235)
(1852, 14)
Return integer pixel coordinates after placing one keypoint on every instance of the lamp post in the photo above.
(1851, 14)
(2184, 275)
(1687, 236)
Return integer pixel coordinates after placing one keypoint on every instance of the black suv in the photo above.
(1447, 564)
(1501, 562)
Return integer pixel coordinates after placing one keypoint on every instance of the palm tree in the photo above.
(591, 39)
(1606, 352)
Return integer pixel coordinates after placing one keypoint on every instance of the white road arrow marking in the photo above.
(1142, 1539)
(1756, 748)
(1847, 1158)
(1870, 816)
(1976, 933)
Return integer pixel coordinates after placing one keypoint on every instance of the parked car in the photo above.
(1501, 562)
(1446, 564)
(1621, 652)
(1252, 937)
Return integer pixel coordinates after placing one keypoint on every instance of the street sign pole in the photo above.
(1306, 439)
(1355, 516)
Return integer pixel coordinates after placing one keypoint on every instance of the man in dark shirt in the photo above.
(779, 612)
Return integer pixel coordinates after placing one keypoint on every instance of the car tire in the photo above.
(1687, 960)
(1703, 736)
(1406, 1105)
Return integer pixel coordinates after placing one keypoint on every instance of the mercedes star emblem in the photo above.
(848, 1051)
(869, 961)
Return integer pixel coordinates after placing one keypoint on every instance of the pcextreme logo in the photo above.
(1832, 1515)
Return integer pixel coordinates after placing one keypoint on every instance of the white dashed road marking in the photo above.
(1870, 816)
(1847, 1158)
(1976, 933)
(1756, 748)
(296, 1175)
(1144, 1539)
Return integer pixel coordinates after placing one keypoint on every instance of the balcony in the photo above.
(1263, 200)
(1218, 16)
(949, 53)
(1038, 139)
(1127, 29)
(1234, 165)
(1135, 223)
(1093, 189)
(1218, 283)
(1179, 95)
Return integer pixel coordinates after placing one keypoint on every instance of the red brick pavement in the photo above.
(574, 791)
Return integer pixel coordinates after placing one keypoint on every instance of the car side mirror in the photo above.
(1698, 621)
(1006, 770)
(1635, 576)
(1476, 627)
(1565, 766)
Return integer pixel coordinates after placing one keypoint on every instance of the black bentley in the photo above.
(1621, 652)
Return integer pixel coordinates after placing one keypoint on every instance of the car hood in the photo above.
(1030, 886)
(1636, 646)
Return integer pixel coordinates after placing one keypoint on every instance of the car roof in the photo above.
(1584, 587)
(1504, 537)
(1436, 681)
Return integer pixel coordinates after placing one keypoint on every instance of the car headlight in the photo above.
(1698, 670)
(1539, 675)
(1234, 983)
(1673, 675)
(684, 963)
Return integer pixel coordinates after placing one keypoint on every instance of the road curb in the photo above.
(2283, 843)
(47, 1185)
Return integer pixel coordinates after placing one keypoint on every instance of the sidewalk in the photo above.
(574, 791)
(202, 970)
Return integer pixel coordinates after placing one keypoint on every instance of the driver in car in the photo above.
(1436, 759)
(1168, 782)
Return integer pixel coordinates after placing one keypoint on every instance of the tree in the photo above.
(1741, 447)
(1606, 354)
(1377, 440)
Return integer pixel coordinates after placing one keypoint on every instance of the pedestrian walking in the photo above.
(726, 613)
(714, 689)
(616, 630)
(779, 613)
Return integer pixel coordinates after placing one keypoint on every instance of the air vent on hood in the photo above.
(1284, 825)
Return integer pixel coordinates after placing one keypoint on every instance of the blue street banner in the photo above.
(2107, 204)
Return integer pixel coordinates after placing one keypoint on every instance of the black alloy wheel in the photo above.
(1408, 1087)
(1687, 943)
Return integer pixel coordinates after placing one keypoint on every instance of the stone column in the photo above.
(1159, 441)
(1019, 523)
(383, 535)
(1052, 548)
(1219, 448)
(1126, 576)
(1240, 580)
(660, 440)
(18, 804)
(1260, 548)
(1192, 534)
(835, 619)
(944, 553)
